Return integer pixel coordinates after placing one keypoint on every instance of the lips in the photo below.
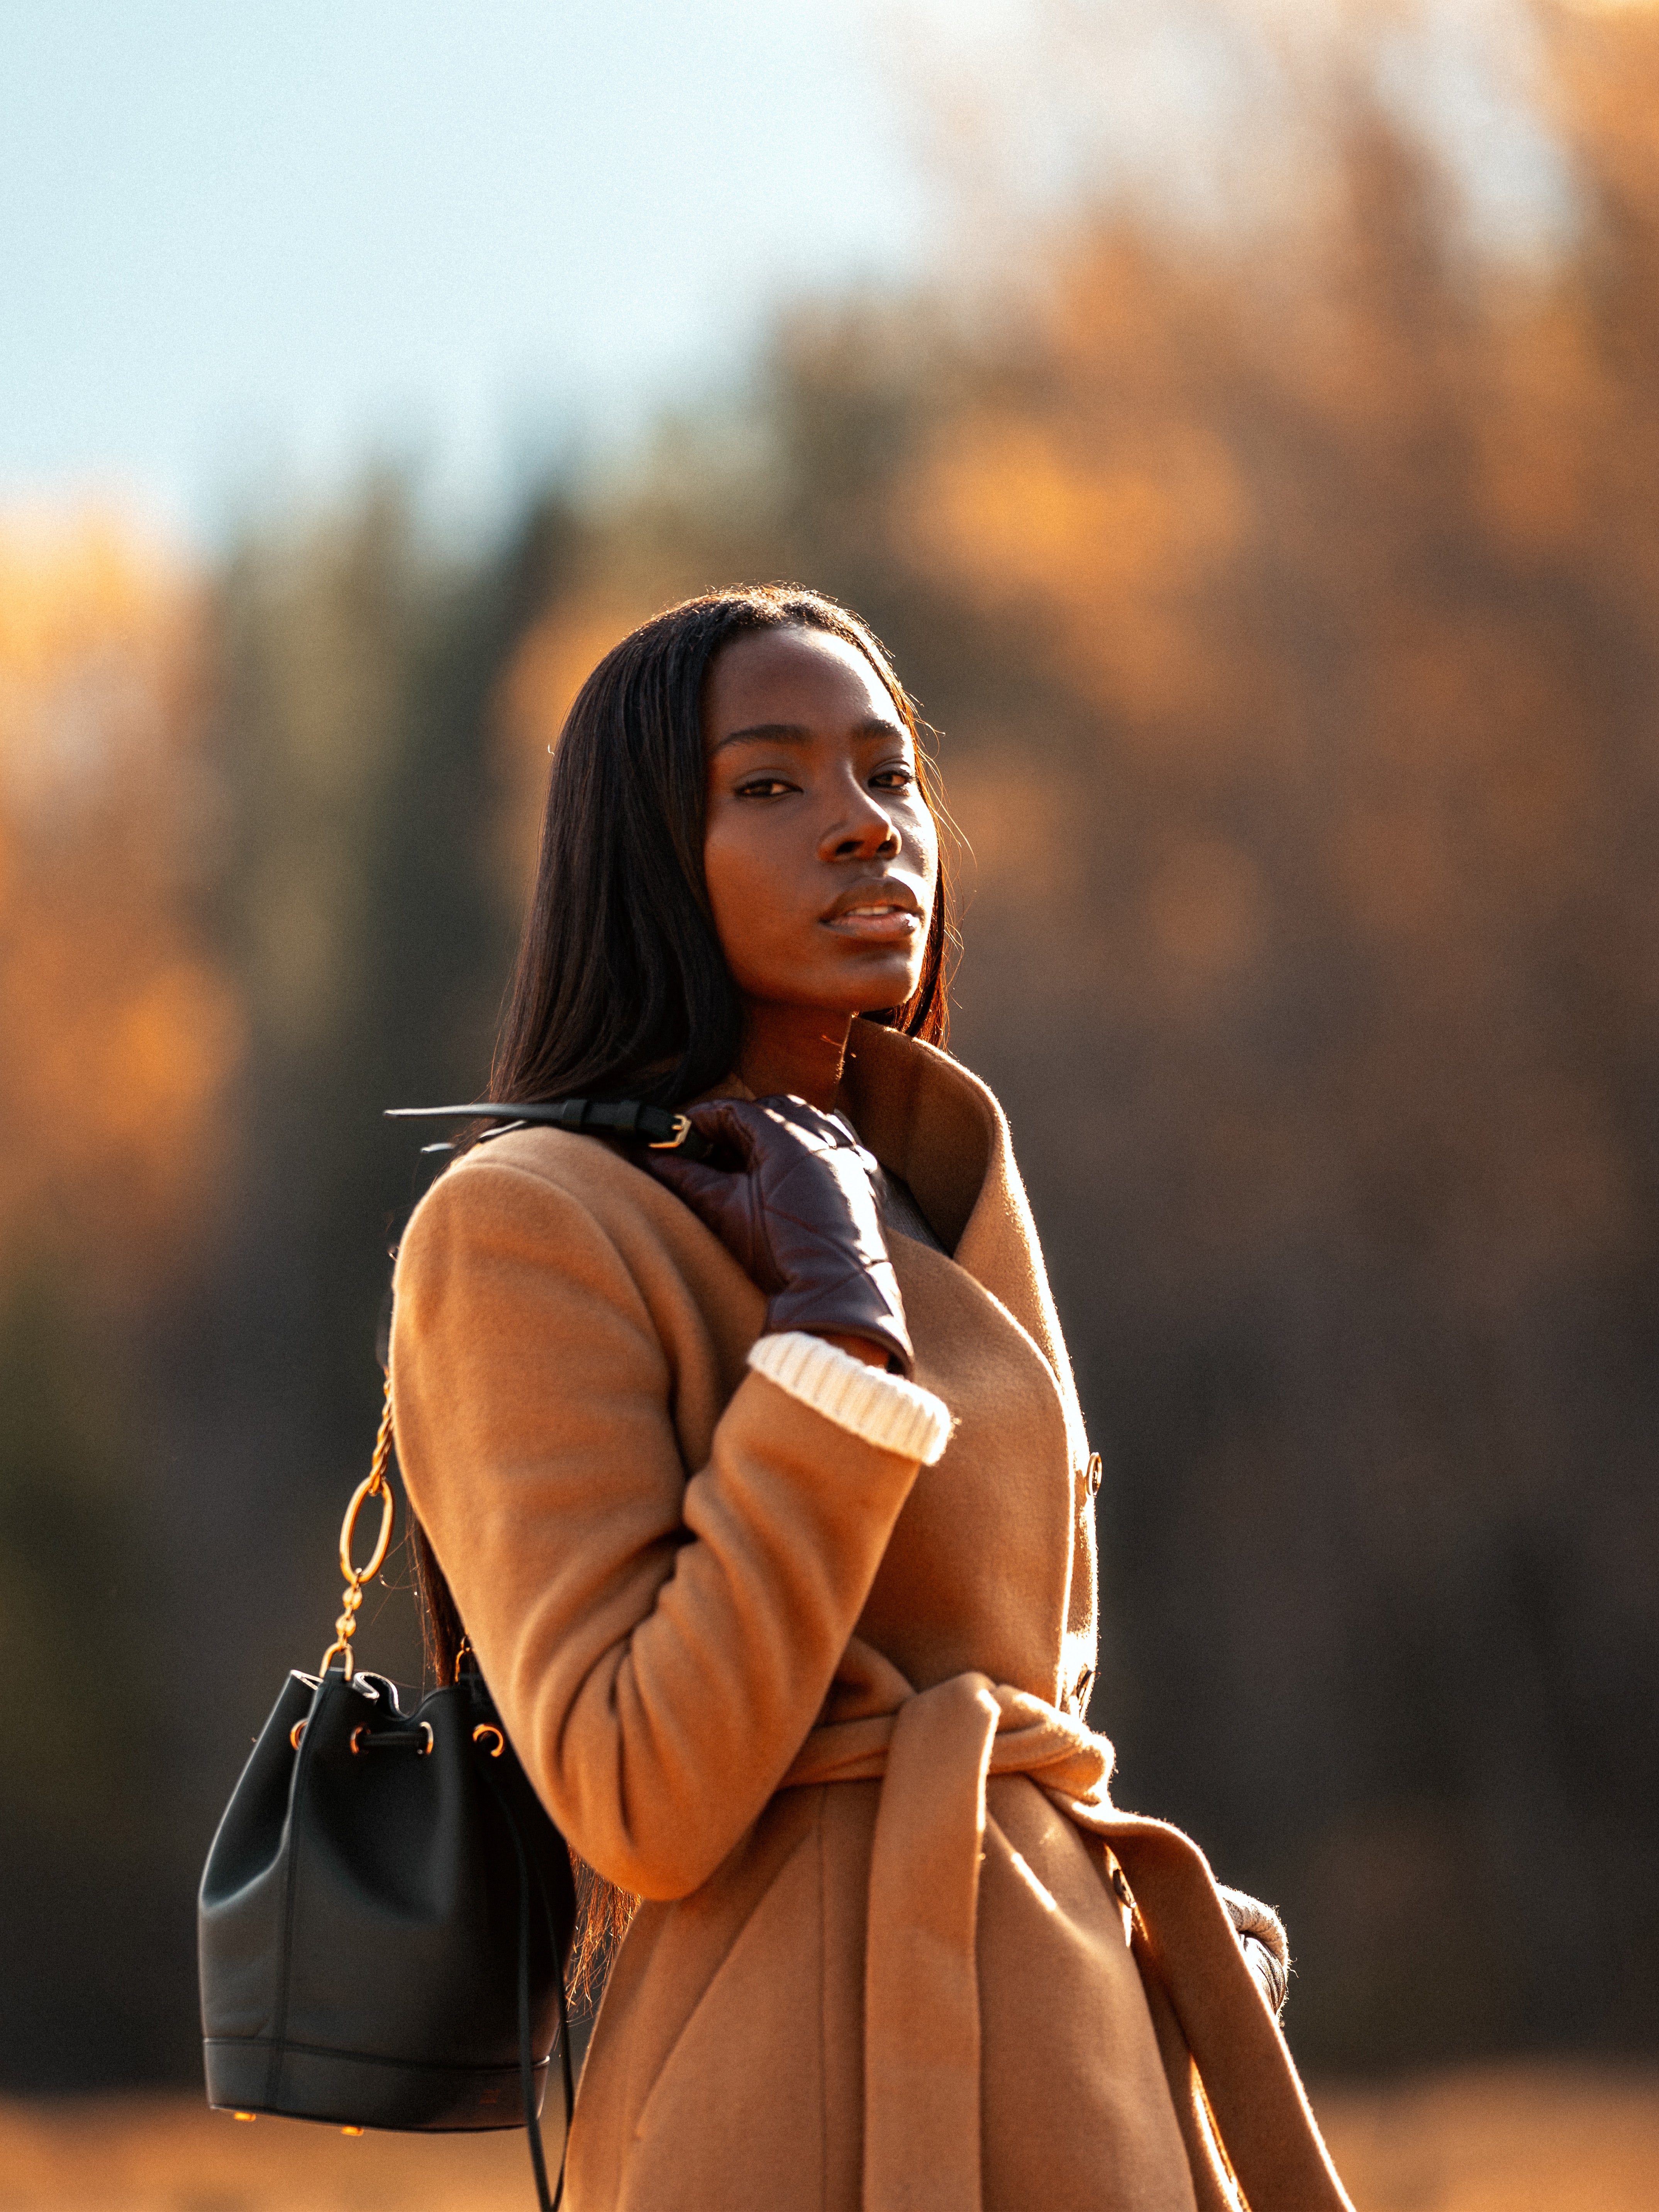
(886, 894)
(885, 912)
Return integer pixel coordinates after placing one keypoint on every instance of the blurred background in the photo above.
(1241, 417)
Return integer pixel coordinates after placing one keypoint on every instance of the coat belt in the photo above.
(932, 1751)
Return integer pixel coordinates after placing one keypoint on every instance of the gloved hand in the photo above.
(797, 1212)
(1262, 1937)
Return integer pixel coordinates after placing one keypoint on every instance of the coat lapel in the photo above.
(929, 1119)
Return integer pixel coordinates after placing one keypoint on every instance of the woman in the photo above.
(761, 1488)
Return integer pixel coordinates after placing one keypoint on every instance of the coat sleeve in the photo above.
(658, 1639)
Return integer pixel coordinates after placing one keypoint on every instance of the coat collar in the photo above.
(926, 1117)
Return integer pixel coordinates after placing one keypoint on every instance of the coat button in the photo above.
(1094, 1474)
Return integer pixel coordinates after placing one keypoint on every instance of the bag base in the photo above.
(297, 2081)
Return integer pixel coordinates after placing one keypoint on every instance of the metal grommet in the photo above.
(488, 1727)
(425, 1748)
(361, 1730)
(1094, 1474)
(294, 1736)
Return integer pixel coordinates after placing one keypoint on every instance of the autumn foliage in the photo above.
(121, 1028)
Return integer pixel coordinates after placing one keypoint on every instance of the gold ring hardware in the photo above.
(682, 1130)
(425, 1751)
(361, 1730)
(373, 1485)
(488, 1727)
(294, 1736)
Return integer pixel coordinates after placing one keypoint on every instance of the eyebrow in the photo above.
(797, 733)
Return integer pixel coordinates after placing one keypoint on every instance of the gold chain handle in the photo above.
(373, 1485)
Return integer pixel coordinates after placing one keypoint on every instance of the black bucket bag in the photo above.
(386, 1914)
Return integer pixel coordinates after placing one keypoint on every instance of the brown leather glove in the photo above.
(1262, 1937)
(796, 1211)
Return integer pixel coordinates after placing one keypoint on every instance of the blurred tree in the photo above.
(253, 895)
(119, 1032)
(119, 1029)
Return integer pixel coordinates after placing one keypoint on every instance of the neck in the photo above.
(794, 1051)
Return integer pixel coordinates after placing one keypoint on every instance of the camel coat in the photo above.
(822, 1710)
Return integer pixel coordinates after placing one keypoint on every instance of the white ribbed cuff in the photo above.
(884, 1410)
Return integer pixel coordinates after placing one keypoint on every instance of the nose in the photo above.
(862, 828)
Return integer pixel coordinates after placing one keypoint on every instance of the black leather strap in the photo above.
(527, 2051)
(660, 1126)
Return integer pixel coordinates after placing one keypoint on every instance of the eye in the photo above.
(900, 778)
(763, 786)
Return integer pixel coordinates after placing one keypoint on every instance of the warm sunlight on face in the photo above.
(821, 855)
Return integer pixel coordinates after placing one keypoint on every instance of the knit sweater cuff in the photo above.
(884, 1410)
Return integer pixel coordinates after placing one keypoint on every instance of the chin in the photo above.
(877, 998)
(849, 989)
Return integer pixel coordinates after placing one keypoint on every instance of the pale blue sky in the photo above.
(242, 243)
(246, 244)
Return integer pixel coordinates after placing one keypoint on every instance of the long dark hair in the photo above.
(622, 988)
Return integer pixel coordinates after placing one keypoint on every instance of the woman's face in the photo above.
(821, 856)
